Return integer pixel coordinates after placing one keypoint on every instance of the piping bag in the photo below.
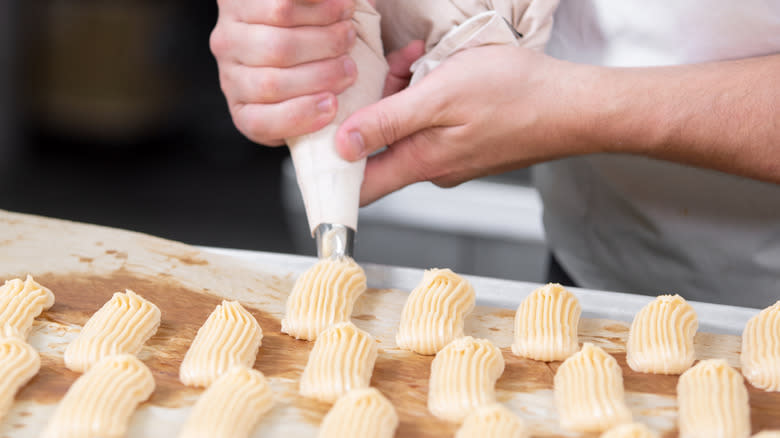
(330, 186)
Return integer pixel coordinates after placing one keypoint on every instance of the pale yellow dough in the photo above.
(589, 391)
(361, 413)
(761, 349)
(19, 362)
(342, 359)
(433, 314)
(230, 336)
(661, 337)
(768, 434)
(630, 430)
(463, 378)
(546, 324)
(122, 325)
(231, 407)
(20, 303)
(713, 402)
(492, 421)
(101, 402)
(324, 295)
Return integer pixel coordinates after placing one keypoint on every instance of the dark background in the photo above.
(111, 113)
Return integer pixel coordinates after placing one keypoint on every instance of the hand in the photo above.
(282, 63)
(484, 111)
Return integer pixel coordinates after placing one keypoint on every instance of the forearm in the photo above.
(723, 116)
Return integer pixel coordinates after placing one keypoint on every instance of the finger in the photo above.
(388, 121)
(391, 170)
(265, 46)
(293, 13)
(272, 85)
(400, 62)
(263, 123)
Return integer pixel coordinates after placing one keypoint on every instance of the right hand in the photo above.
(282, 63)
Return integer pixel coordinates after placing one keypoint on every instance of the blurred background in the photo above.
(111, 113)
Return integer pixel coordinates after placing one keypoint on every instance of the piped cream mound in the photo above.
(761, 349)
(434, 312)
(361, 413)
(661, 337)
(589, 391)
(713, 402)
(101, 402)
(324, 295)
(231, 407)
(20, 303)
(230, 336)
(122, 325)
(546, 324)
(342, 359)
(629, 430)
(19, 362)
(492, 421)
(463, 377)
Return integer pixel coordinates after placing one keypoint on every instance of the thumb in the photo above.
(385, 122)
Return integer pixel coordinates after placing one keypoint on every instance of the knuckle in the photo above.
(266, 85)
(277, 50)
(217, 42)
(281, 12)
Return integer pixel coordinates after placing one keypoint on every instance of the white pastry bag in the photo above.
(330, 186)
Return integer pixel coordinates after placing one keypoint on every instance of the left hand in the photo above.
(484, 111)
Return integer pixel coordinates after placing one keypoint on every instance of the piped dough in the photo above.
(19, 362)
(661, 337)
(761, 349)
(361, 413)
(492, 421)
(324, 295)
(100, 403)
(713, 402)
(546, 324)
(589, 391)
(230, 336)
(768, 434)
(122, 325)
(630, 430)
(231, 407)
(434, 312)
(20, 303)
(463, 378)
(342, 359)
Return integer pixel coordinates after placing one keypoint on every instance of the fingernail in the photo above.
(351, 37)
(357, 144)
(348, 13)
(325, 105)
(350, 69)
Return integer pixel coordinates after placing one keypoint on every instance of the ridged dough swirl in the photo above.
(589, 391)
(342, 359)
(360, 413)
(492, 421)
(713, 402)
(231, 407)
(230, 336)
(19, 362)
(101, 402)
(629, 430)
(761, 349)
(660, 340)
(324, 295)
(546, 324)
(463, 377)
(122, 325)
(434, 312)
(20, 303)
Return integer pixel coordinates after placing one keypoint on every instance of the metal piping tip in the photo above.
(334, 241)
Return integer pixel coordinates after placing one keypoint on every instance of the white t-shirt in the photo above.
(633, 224)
